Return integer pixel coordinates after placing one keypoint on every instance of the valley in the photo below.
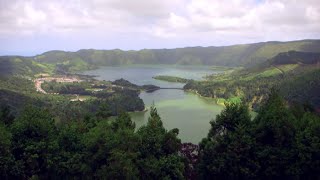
(159, 90)
(79, 100)
(179, 109)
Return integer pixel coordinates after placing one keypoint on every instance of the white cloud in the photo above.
(197, 21)
(247, 18)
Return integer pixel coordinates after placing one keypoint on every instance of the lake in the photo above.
(186, 111)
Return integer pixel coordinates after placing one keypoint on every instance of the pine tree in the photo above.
(227, 152)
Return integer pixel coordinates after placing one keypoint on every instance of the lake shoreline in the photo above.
(211, 98)
(191, 113)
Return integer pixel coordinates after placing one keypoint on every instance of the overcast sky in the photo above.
(29, 27)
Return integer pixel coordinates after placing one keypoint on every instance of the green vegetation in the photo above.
(279, 142)
(297, 82)
(237, 55)
(171, 79)
(32, 146)
(124, 83)
(231, 56)
(16, 65)
(81, 88)
(222, 68)
(17, 92)
(44, 136)
(287, 67)
(233, 100)
(295, 57)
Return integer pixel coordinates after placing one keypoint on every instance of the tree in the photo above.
(6, 115)
(123, 156)
(171, 142)
(104, 110)
(228, 150)
(275, 137)
(308, 146)
(152, 135)
(123, 121)
(7, 168)
(113, 148)
(171, 167)
(159, 150)
(33, 144)
(71, 160)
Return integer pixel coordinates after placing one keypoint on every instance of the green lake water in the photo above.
(186, 111)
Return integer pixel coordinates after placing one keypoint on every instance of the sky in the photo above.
(30, 27)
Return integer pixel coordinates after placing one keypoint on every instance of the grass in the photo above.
(288, 67)
(227, 75)
(86, 97)
(222, 101)
(270, 50)
(222, 68)
(270, 72)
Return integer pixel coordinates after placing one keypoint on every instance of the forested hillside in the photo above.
(295, 74)
(13, 65)
(280, 142)
(248, 55)
(236, 55)
(295, 57)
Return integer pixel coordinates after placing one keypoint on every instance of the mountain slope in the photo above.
(295, 74)
(236, 55)
(18, 65)
(295, 57)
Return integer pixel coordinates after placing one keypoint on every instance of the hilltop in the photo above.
(245, 55)
(235, 55)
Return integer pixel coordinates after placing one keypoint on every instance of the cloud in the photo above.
(141, 8)
(246, 18)
(183, 22)
(61, 15)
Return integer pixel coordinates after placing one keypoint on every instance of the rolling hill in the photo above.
(295, 57)
(271, 64)
(247, 55)
(19, 65)
(236, 55)
(296, 75)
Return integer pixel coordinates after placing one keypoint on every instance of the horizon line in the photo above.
(68, 51)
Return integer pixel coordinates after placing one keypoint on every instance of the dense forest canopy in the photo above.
(295, 74)
(280, 142)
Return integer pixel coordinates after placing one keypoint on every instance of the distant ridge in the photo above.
(235, 55)
(247, 55)
(295, 57)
